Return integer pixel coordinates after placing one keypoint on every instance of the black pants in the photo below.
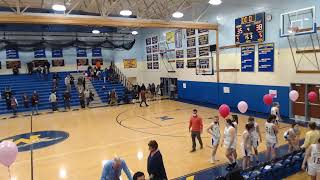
(67, 105)
(195, 134)
(82, 103)
(145, 102)
(172, 94)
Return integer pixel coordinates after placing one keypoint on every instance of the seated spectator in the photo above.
(15, 70)
(25, 99)
(139, 176)
(113, 97)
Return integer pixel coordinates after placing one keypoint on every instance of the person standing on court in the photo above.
(214, 131)
(67, 99)
(143, 98)
(172, 90)
(155, 164)
(196, 128)
(14, 105)
(25, 99)
(35, 102)
(112, 169)
(275, 110)
(53, 100)
(271, 137)
(255, 138)
(67, 83)
(311, 136)
(311, 161)
(229, 143)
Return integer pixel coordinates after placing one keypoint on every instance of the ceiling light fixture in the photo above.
(126, 13)
(134, 32)
(95, 31)
(177, 14)
(215, 2)
(59, 7)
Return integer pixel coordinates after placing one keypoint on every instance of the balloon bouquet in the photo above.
(8, 154)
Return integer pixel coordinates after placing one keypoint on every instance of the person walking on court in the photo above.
(255, 138)
(155, 164)
(271, 137)
(53, 100)
(143, 98)
(196, 128)
(311, 136)
(25, 100)
(214, 130)
(292, 136)
(14, 105)
(112, 169)
(246, 145)
(67, 99)
(35, 102)
(228, 142)
(275, 110)
(312, 159)
(139, 176)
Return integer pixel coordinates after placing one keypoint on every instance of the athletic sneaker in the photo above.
(193, 150)
(212, 161)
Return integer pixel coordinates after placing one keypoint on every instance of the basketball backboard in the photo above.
(298, 22)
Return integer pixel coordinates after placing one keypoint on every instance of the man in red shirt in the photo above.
(196, 128)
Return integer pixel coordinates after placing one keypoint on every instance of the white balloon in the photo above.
(293, 95)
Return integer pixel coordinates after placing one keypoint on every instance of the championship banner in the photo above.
(179, 64)
(82, 62)
(130, 63)
(191, 63)
(170, 37)
(266, 57)
(81, 52)
(247, 58)
(57, 53)
(149, 65)
(57, 62)
(12, 53)
(95, 60)
(40, 53)
(96, 52)
(11, 64)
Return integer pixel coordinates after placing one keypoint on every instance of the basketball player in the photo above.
(214, 130)
(247, 145)
(255, 137)
(275, 110)
(235, 123)
(229, 143)
(292, 136)
(312, 156)
(271, 137)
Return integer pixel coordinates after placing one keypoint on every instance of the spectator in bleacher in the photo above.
(113, 97)
(53, 100)
(71, 80)
(67, 83)
(67, 99)
(35, 102)
(39, 71)
(311, 136)
(312, 157)
(82, 99)
(30, 67)
(25, 99)
(15, 70)
(155, 164)
(45, 72)
(89, 71)
(56, 76)
(14, 105)
(112, 169)
(98, 65)
(139, 176)
(87, 96)
(143, 98)
(47, 64)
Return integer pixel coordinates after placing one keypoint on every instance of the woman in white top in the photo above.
(235, 123)
(275, 110)
(214, 130)
(246, 145)
(271, 137)
(255, 137)
(229, 143)
(292, 135)
(312, 156)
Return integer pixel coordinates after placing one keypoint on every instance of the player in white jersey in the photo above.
(312, 156)
(275, 110)
(235, 123)
(255, 137)
(246, 145)
(292, 135)
(229, 143)
(214, 130)
(271, 137)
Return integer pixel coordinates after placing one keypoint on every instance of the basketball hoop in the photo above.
(293, 30)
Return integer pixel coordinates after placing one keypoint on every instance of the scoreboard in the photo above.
(250, 29)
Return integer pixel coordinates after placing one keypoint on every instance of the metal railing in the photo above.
(122, 78)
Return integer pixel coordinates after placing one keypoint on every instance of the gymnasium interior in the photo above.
(87, 83)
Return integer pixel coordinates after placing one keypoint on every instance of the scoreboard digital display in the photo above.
(250, 29)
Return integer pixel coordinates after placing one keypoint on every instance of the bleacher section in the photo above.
(104, 92)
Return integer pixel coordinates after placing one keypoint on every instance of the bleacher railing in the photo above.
(122, 78)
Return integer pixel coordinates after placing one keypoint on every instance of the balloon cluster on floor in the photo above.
(224, 109)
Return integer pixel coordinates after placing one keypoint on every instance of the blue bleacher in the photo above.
(119, 88)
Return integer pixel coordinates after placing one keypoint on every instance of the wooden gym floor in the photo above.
(99, 134)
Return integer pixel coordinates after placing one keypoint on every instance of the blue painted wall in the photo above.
(212, 93)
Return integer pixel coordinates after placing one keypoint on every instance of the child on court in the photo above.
(275, 110)
(292, 135)
(247, 145)
(228, 142)
(255, 137)
(271, 137)
(312, 157)
(235, 123)
(214, 130)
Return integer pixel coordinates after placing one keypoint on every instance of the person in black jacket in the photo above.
(155, 165)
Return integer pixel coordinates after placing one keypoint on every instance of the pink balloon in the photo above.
(8, 153)
(294, 95)
(267, 99)
(242, 106)
(312, 96)
(224, 110)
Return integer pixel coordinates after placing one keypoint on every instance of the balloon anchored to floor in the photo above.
(8, 153)
(294, 95)
(312, 96)
(242, 106)
(268, 99)
(224, 110)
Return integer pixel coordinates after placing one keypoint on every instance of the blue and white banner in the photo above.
(247, 58)
(57, 53)
(12, 53)
(266, 57)
(81, 52)
(96, 52)
(40, 53)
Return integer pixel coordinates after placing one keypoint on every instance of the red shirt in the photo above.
(196, 123)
